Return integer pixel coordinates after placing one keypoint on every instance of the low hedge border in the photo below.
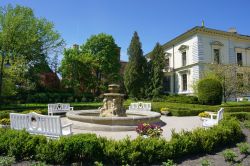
(88, 148)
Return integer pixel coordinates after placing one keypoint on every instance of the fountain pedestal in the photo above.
(113, 103)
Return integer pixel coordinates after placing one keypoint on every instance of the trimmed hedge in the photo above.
(87, 148)
(182, 99)
(242, 116)
(209, 92)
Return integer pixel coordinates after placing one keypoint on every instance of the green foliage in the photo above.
(157, 63)
(81, 147)
(209, 91)
(7, 160)
(205, 162)
(19, 144)
(38, 111)
(242, 116)
(169, 163)
(5, 121)
(4, 114)
(246, 124)
(93, 66)
(244, 148)
(96, 163)
(229, 155)
(88, 148)
(27, 40)
(106, 53)
(59, 97)
(76, 69)
(181, 99)
(203, 115)
(135, 77)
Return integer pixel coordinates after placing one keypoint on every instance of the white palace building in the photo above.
(188, 54)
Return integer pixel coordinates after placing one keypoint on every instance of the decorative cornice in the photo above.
(216, 43)
(183, 48)
(167, 55)
(204, 30)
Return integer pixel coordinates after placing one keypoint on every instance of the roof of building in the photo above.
(203, 30)
(200, 29)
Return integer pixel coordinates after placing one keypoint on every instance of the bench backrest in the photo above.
(220, 114)
(59, 106)
(140, 106)
(36, 123)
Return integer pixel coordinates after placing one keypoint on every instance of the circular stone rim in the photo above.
(144, 117)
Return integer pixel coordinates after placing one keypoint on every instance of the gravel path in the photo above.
(172, 122)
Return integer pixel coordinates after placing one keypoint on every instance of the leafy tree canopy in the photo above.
(26, 41)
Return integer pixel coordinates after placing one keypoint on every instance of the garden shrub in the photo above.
(237, 109)
(244, 148)
(81, 147)
(5, 121)
(59, 97)
(229, 155)
(4, 114)
(182, 99)
(209, 92)
(38, 111)
(87, 148)
(185, 111)
(242, 116)
(6, 160)
(19, 144)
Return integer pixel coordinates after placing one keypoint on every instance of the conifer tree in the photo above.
(135, 71)
(157, 61)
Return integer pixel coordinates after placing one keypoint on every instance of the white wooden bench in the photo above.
(213, 119)
(34, 123)
(140, 106)
(58, 108)
(238, 99)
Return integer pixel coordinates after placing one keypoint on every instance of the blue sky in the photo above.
(154, 20)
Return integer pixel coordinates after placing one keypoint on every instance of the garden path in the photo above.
(172, 122)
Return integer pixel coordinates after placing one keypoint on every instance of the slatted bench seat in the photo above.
(58, 108)
(34, 123)
(140, 106)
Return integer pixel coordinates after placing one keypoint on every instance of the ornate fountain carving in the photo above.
(113, 103)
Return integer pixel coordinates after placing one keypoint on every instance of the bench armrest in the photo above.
(211, 114)
(68, 125)
(71, 108)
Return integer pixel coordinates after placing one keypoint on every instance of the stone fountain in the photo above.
(112, 116)
(112, 103)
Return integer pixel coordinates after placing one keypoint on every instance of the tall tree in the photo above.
(135, 71)
(157, 60)
(77, 71)
(26, 37)
(106, 54)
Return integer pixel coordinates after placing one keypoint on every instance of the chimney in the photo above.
(232, 30)
(76, 46)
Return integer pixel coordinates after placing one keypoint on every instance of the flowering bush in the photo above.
(164, 109)
(5, 121)
(151, 130)
(203, 115)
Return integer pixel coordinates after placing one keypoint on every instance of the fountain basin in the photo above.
(90, 120)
